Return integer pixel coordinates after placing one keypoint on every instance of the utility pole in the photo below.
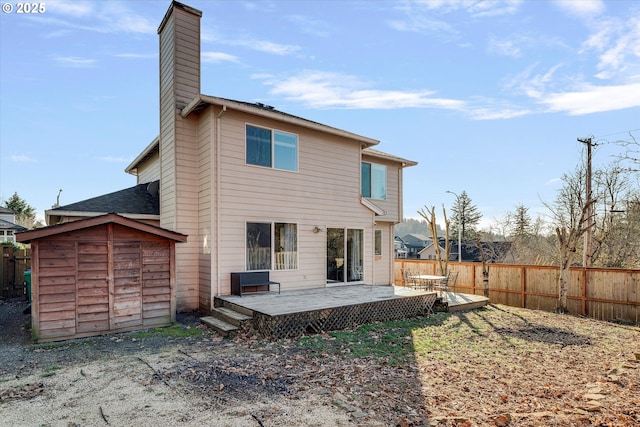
(586, 255)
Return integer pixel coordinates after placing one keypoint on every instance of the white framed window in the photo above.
(378, 242)
(271, 246)
(271, 148)
(373, 180)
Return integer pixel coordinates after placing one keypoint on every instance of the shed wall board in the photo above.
(101, 279)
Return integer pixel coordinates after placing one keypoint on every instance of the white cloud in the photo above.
(498, 113)
(420, 24)
(100, 17)
(581, 8)
(478, 8)
(217, 57)
(504, 47)
(22, 158)
(75, 61)
(594, 99)
(320, 89)
(73, 8)
(618, 45)
(269, 47)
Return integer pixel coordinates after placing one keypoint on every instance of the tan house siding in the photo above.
(382, 272)
(179, 84)
(149, 171)
(392, 205)
(324, 193)
(206, 169)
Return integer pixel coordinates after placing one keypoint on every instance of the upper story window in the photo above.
(271, 148)
(374, 181)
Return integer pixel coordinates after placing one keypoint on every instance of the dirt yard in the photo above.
(495, 366)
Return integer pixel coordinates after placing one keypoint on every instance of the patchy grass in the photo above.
(173, 331)
(50, 371)
(392, 341)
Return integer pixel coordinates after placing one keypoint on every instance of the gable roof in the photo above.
(4, 210)
(493, 251)
(202, 101)
(142, 200)
(38, 233)
(6, 225)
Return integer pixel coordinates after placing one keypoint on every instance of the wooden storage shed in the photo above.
(100, 275)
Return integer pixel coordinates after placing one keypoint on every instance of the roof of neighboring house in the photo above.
(142, 199)
(110, 218)
(493, 251)
(6, 225)
(4, 210)
(416, 236)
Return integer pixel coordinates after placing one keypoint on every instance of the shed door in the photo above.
(92, 294)
(127, 285)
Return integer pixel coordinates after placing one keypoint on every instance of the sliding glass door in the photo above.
(344, 255)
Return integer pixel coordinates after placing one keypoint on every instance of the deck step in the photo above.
(220, 326)
(229, 315)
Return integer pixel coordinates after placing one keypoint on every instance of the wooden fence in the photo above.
(601, 293)
(12, 268)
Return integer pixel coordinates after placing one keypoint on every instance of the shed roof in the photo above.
(111, 218)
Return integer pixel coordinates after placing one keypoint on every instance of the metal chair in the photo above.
(409, 278)
(448, 282)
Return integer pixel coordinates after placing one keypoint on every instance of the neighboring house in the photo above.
(141, 202)
(429, 252)
(493, 252)
(8, 227)
(400, 247)
(255, 188)
(415, 242)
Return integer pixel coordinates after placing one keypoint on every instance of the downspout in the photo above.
(393, 225)
(217, 207)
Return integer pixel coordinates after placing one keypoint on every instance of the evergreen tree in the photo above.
(25, 213)
(466, 216)
(522, 222)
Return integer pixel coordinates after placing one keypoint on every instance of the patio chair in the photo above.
(409, 278)
(447, 283)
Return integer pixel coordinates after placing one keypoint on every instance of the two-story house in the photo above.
(8, 227)
(255, 188)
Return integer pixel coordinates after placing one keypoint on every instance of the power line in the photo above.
(616, 133)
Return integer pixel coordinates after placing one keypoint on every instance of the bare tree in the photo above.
(430, 216)
(630, 159)
(570, 216)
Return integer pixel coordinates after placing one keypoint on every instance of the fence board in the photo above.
(601, 293)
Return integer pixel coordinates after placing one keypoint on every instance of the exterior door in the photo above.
(344, 255)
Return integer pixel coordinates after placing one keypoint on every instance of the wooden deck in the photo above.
(293, 313)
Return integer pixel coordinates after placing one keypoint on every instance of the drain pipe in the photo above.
(217, 207)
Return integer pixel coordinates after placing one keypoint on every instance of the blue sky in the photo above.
(488, 96)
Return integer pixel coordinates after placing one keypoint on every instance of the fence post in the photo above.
(523, 286)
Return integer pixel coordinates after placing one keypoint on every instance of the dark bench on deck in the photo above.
(247, 279)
